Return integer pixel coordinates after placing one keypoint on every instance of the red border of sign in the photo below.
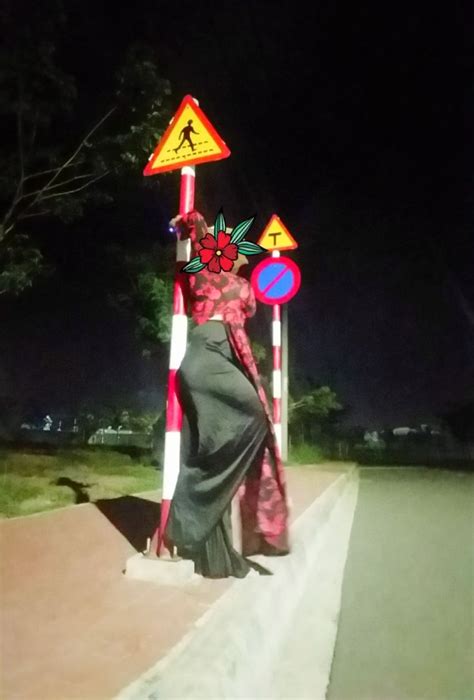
(225, 153)
(270, 261)
(276, 218)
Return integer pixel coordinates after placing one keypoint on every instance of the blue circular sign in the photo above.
(276, 280)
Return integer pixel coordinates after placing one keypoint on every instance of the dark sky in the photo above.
(352, 123)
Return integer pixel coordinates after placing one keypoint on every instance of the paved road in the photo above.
(406, 628)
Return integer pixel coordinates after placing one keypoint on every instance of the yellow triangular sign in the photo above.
(189, 139)
(276, 236)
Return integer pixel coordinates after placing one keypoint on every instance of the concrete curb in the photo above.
(234, 648)
(305, 657)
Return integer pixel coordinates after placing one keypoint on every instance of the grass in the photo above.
(37, 481)
(313, 456)
(306, 453)
(33, 482)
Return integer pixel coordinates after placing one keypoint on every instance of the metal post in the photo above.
(284, 382)
(179, 331)
(276, 343)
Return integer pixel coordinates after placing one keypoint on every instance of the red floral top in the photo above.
(263, 495)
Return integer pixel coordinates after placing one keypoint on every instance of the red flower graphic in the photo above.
(218, 254)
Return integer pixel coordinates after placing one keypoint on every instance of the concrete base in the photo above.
(166, 572)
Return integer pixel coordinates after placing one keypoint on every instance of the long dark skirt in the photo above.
(224, 435)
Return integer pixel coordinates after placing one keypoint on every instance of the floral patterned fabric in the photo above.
(264, 512)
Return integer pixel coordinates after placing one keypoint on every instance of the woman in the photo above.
(228, 441)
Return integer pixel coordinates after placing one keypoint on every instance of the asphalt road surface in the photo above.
(406, 628)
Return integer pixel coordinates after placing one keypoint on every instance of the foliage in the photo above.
(20, 262)
(54, 163)
(146, 293)
(259, 352)
(308, 412)
(155, 296)
(142, 111)
(92, 418)
(317, 403)
(144, 422)
(306, 453)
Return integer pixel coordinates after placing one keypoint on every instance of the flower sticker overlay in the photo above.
(218, 251)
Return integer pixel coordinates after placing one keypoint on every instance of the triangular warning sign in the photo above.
(276, 236)
(189, 139)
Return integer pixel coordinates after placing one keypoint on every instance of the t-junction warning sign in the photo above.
(276, 236)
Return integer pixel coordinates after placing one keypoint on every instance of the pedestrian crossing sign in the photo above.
(276, 236)
(189, 139)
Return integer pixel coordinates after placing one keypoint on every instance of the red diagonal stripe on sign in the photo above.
(277, 278)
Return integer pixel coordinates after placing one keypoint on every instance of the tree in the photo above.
(307, 412)
(54, 163)
(146, 293)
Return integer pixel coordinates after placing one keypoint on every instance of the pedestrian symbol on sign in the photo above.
(186, 135)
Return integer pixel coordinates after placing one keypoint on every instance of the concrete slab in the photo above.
(166, 572)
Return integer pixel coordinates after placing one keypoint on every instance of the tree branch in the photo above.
(36, 213)
(19, 187)
(78, 189)
(59, 184)
(47, 172)
(19, 126)
(4, 231)
(71, 159)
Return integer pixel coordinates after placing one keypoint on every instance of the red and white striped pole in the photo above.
(179, 333)
(277, 381)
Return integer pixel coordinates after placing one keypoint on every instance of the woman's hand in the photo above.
(191, 225)
(176, 223)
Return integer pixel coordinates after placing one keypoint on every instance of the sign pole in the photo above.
(189, 139)
(284, 382)
(179, 332)
(276, 342)
(277, 286)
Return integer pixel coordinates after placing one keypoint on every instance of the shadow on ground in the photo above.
(135, 518)
(77, 487)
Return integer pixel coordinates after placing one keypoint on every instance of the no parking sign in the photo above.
(276, 280)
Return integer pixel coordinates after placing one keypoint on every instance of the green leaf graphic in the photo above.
(249, 248)
(219, 224)
(194, 265)
(241, 229)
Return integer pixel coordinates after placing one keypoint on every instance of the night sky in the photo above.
(355, 125)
